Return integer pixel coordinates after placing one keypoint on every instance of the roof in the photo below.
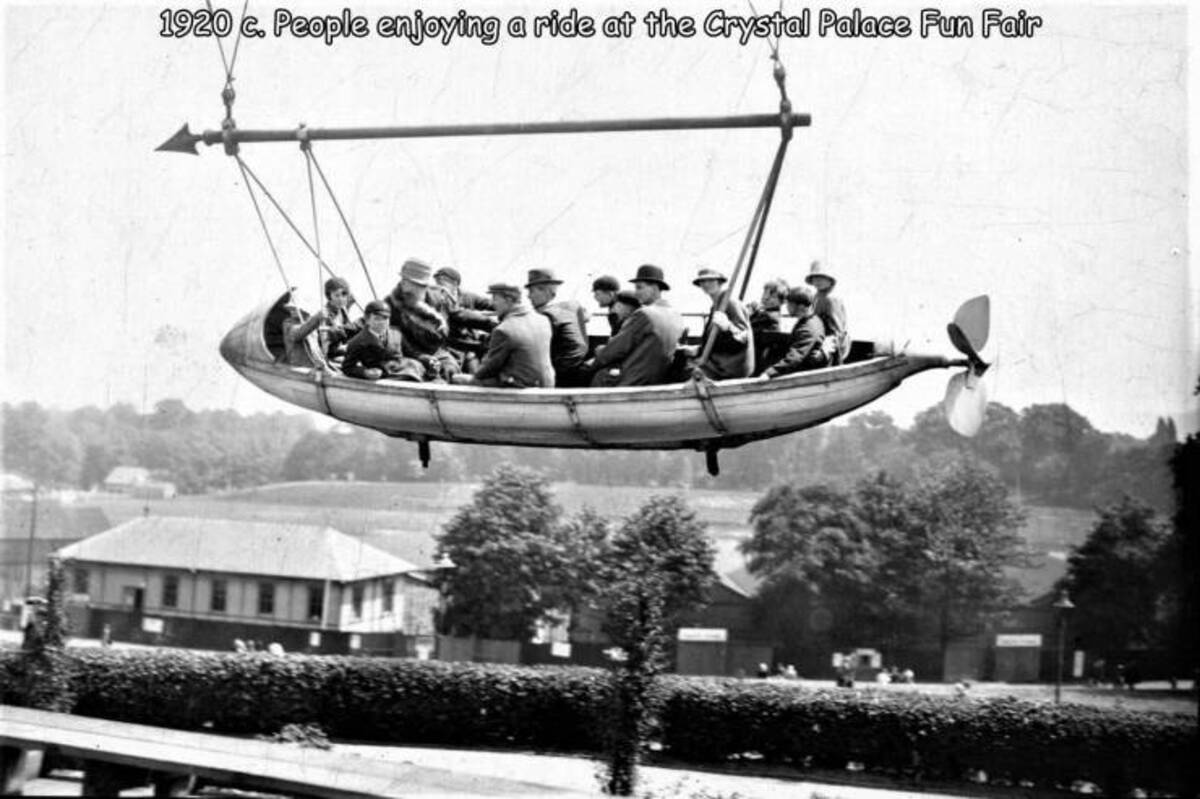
(127, 475)
(298, 551)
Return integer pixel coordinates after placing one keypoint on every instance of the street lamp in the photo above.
(1061, 605)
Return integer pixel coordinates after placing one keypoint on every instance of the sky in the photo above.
(1050, 172)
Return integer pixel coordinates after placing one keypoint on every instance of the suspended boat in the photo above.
(697, 414)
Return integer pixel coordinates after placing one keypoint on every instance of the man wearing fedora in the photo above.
(518, 354)
(423, 329)
(831, 312)
(807, 334)
(732, 352)
(568, 320)
(642, 352)
(376, 350)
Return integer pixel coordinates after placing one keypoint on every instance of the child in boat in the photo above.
(831, 311)
(807, 334)
(337, 329)
(376, 351)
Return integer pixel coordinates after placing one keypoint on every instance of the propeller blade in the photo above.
(184, 141)
(965, 404)
(969, 330)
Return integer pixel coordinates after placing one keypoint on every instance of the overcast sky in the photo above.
(1050, 172)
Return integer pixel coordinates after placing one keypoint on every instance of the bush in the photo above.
(930, 737)
(563, 708)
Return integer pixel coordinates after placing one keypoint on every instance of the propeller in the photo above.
(966, 394)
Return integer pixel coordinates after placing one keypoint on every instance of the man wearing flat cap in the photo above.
(423, 329)
(518, 354)
(642, 352)
(470, 316)
(568, 321)
(376, 350)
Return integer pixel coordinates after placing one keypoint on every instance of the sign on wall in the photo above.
(152, 625)
(711, 634)
(1019, 639)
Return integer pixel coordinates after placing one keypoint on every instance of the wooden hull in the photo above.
(683, 415)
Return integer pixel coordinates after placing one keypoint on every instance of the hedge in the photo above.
(700, 721)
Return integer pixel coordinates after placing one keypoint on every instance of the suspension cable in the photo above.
(270, 242)
(345, 222)
(312, 198)
(282, 213)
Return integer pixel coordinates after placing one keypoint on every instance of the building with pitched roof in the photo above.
(206, 582)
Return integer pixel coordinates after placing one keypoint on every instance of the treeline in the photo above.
(1048, 454)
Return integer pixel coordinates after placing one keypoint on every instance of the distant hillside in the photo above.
(404, 518)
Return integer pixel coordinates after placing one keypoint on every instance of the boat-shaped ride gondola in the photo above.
(694, 414)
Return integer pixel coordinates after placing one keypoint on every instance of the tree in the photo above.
(964, 535)
(1115, 577)
(517, 563)
(657, 566)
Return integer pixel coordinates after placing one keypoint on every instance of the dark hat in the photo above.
(416, 271)
(539, 277)
(335, 283)
(450, 273)
(708, 274)
(629, 298)
(606, 283)
(649, 273)
(378, 307)
(800, 295)
(817, 270)
(507, 289)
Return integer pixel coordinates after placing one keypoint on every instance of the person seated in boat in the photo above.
(568, 320)
(732, 352)
(470, 316)
(764, 314)
(770, 344)
(376, 351)
(807, 334)
(643, 350)
(604, 292)
(423, 329)
(296, 327)
(831, 311)
(336, 328)
(518, 354)
(624, 304)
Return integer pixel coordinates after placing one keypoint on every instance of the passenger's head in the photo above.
(774, 293)
(819, 277)
(710, 281)
(624, 304)
(648, 283)
(377, 313)
(415, 277)
(604, 290)
(448, 278)
(542, 286)
(505, 296)
(799, 301)
(337, 292)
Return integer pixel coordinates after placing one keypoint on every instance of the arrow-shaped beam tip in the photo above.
(184, 141)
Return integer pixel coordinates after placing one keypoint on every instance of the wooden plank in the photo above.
(244, 762)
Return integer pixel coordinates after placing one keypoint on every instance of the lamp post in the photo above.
(1061, 606)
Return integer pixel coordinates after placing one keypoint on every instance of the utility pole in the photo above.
(29, 550)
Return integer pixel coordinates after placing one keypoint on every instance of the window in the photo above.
(218, 596)
(81, 581)
(266, 599)
(170, 595)
(316, 602)
(356, 601)
(389, 590)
